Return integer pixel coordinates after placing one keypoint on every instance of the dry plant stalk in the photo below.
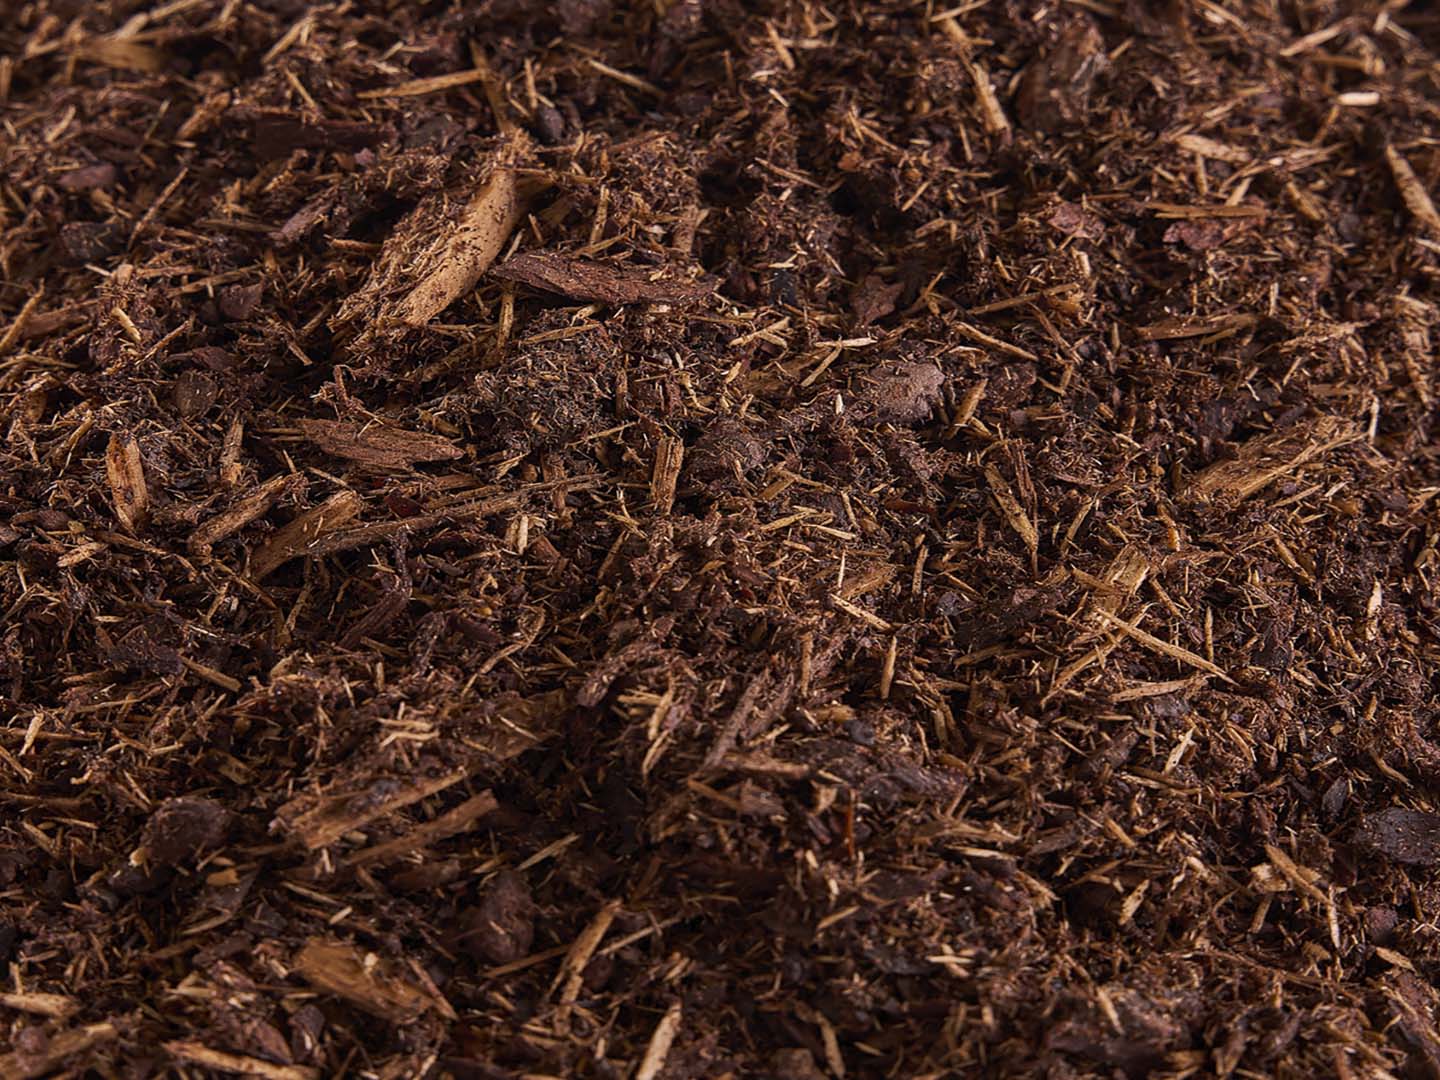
(1160, 645)
(572, 971)
(658, 1049)
(433, 85)
(992, 114)
(450, 823)
(1014, 513)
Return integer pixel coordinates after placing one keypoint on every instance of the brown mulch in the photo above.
(695, 539)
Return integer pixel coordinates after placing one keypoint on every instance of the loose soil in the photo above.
(699, 539)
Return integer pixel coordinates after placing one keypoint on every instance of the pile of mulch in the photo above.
(699, 539)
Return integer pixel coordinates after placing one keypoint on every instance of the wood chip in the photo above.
(468, 251)
(1209, 148)
(23, 322)
(983, 338)
(433, 85)
(210, 674)
(1170, 329)
(665, 473)
(54, 1005)
(230, 468)
(868, 617)
(1266, 458)
(123, 55)
(25, 1065)
(1184, 212)
(1390, 956)
(440, 251)
(128, 492)
(194, 1053)
(1014, 513)
(831, 1042)
(584, 279)
(250, 507)
(633, 81)
(447, 824)
(992, 115)
(343, 970)
(319, 820)
(378, 446)
(1412, 192)
(572, 971)
(661, 1040)
(866, 579)
(297, 538)
(1300, 877)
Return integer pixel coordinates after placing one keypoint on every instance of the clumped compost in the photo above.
(692, 538)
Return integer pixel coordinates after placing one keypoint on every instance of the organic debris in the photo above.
(700, 539)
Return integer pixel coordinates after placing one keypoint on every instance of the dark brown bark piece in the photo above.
(91, 241)
(500, 928)
(88, 177)
(1055, 90)
(344, 971)
(1197, 235)
(583, 279)
(194, 393)
(907, 393)
(279, 134)
(874, 298)
(378, 446)
(237, 302)
(1074, 220)
(1411, 837)
(182, 827)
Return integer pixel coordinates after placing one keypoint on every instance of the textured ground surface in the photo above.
(688, 539)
